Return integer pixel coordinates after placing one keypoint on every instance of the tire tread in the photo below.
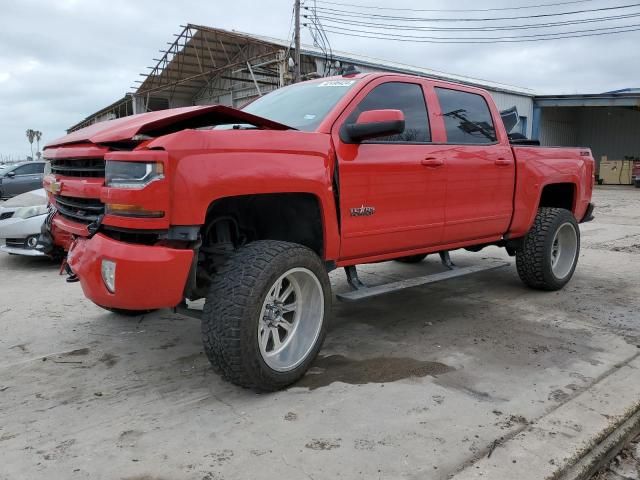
(233, 297)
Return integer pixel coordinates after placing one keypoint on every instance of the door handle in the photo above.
(503, 161)
(432, 162)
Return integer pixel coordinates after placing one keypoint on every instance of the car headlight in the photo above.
(132, 174)
(28, 212)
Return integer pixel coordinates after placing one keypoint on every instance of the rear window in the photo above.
(467, 117)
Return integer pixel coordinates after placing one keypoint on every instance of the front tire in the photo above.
(549, 253)
(265, 317)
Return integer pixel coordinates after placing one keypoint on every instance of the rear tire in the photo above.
(265, 316)
(412, 258)
(549, 253)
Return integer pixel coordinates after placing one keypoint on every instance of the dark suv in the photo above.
(20, 178)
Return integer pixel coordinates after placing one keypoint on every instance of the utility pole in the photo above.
(296, 58)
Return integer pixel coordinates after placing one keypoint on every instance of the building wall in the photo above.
(610, 131)
(614, 131)
(523, 103)
(558, 127)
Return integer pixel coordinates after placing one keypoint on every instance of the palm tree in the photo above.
(38, 136)
(31, 135)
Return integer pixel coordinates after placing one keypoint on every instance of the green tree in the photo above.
(38, 136)
(31, 135)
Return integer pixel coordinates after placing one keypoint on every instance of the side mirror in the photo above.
(373, 124)
(10, 174)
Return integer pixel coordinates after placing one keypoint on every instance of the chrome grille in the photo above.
(84, 210)
(78, 167)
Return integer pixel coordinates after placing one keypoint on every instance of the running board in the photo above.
(368, 292)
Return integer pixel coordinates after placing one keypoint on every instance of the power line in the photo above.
(351, 22)
(536, 36)
(333, 11)
(524, 7)
(466, 41)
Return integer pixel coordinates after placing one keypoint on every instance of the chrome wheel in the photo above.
(291, 319)
(563, 250)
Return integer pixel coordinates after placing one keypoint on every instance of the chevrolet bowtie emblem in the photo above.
(55, 187)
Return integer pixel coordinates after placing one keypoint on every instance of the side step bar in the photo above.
(367, 292)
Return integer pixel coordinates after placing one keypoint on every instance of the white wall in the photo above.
(522, 103)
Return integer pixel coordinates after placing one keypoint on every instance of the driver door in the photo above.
(392, 189)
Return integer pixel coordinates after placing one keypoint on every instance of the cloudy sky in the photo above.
(61, 60)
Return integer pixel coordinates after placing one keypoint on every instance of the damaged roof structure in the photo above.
(205, 65)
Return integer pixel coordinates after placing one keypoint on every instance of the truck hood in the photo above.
(163, 122)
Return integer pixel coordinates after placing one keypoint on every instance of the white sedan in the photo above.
(21, 220)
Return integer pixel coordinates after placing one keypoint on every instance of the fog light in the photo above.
(32, 241)
(109, 275)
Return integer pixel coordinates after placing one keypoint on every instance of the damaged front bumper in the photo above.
(129, 276)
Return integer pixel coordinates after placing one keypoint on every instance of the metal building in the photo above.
(205, 65)
(608, 123)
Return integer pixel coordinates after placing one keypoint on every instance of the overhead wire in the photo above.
(368, 25)
(462, 40)
(522, 7)
(320, 38)
(459, 19)
(351, 22)
(540, 35)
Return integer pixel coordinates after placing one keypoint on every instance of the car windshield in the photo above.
(303, 105)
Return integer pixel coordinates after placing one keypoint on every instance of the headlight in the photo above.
(28, 212)
(132, 174)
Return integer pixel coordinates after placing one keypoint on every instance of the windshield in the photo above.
(303, 105)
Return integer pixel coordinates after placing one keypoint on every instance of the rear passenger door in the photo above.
(26, 177)
(391, 197)
(480, 168)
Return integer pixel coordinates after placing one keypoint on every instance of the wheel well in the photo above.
(558, 195)
(291, 217)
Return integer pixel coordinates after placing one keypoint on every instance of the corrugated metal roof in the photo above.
(373, 62)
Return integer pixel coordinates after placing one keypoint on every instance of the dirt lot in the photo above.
(419, 384)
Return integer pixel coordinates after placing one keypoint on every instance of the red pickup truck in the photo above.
(250, 209)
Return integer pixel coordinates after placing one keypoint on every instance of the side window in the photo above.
(407, 97)
(29, 169)
(467, 118)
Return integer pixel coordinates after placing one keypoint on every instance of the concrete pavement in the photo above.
(423, 383)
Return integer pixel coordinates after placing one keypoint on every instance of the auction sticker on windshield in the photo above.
(337, 83)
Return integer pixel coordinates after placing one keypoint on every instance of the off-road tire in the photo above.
(232, 309)
(534, 256)
(412, 258)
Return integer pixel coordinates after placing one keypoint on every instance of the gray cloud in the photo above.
(62, 60)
